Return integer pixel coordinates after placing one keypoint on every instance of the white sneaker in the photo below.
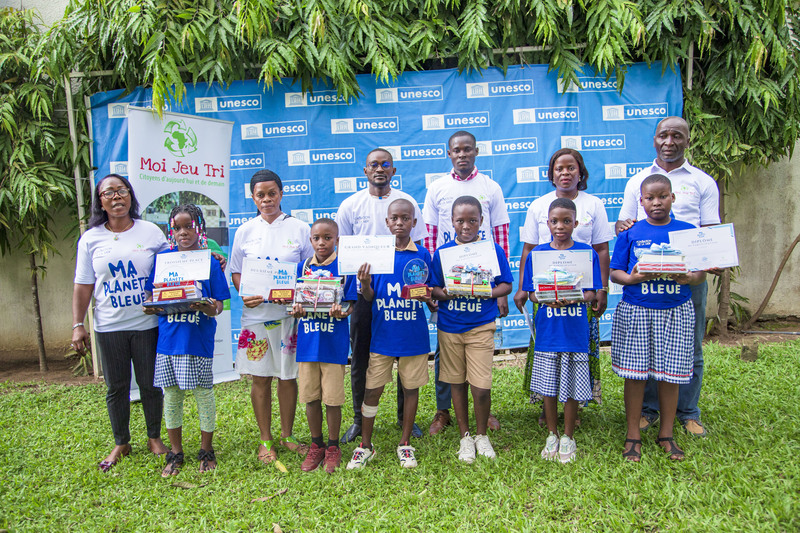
(484, 447)
(566, 449)
(406, 456)
(466, 450)
(550, 449)
(361, 456)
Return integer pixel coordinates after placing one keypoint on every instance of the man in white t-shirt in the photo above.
(696, 202)
(463, 180)
(364, 213)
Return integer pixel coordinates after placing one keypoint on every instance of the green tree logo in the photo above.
(180, 140)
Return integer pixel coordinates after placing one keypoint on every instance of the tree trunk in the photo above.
(724, 302)
(37, 312)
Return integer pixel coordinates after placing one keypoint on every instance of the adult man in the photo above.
(364, 213)
(463, 179)
(696, 202)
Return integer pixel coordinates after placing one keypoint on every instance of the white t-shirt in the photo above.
(364, 214)
(593, 227)
(696, 195)
(118, 269)
(286, 239)
(437, 209)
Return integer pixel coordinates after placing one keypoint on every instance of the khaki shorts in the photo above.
(321, 381)
(413, 370)
(467, 357)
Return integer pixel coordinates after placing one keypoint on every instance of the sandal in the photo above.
(632, 455)
(675, 453)
(292, 444)
(106, 465)
(269, 455)
(206, 459)
(174, 464)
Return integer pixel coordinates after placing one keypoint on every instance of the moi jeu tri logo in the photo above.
(181, 139)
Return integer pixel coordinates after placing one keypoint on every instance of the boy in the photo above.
(322, 346)
(399, 330)
(466, 333)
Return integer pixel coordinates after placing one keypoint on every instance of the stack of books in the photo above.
(469, 280)
(556, 284)
(318, 294)
(662, 259)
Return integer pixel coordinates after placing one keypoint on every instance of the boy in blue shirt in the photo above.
(561, 360)
(399, 330)
(466, 333)
(322, 345)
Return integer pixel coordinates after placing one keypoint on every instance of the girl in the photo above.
(186, 345)
(652, 333)
(561, 358)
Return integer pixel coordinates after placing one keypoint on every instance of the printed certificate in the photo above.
(708, 247)
(478, 254)
(355, 250)
(575, 261)
(194, 265)
(260, 276)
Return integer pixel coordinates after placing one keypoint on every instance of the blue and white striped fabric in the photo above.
(655, 343)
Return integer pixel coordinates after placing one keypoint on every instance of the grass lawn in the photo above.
(744, 477)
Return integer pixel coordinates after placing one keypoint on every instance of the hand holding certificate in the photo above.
(376, 250)
(707, 248)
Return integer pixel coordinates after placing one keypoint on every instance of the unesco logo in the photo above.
(478, 119)
(635, 111)
(417, 151)
(296, 187)
(119, 167)
(522, 145)
(394, 95)
(531, 174)
(365, 125)
(310, 215)
(593, 142)
(215, 104)
(617, 171)
(492, 89)
(589, 84)
(320, 156)
(546, 114)
(247, 161)
(118, 110)
(268, 130)
(319, 98)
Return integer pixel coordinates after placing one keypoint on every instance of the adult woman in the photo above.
(115, 257)
(268, 337)
(567, 173)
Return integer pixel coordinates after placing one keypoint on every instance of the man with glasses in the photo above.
(364, 213)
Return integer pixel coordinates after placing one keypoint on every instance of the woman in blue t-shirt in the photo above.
(652, 333)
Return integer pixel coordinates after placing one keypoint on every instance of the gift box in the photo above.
(662, 259)
(318, 294)
(469, 280)
(557, 284)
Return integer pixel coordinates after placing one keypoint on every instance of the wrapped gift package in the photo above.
(557, 284)
(173, 297)
(469, 280)
(318, 294)
(662, 259)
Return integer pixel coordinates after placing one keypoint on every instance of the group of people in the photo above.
(656, 333)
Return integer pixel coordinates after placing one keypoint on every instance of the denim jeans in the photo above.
(688, 394)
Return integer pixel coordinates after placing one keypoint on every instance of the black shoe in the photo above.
(352, 433)
(416, 432)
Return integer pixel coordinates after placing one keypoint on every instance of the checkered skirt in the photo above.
(187, 372)
(656, 343)
(562, 374)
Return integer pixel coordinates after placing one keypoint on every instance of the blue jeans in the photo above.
(443, 396)
(688, 394)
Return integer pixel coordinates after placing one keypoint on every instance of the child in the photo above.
(322, 346)
(561, 359)
(466, 334)
(652, 332)
(399, 330)
(186, 345)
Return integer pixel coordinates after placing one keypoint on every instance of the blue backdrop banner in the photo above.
(317, 142)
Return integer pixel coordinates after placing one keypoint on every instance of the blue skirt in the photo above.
(187, 372)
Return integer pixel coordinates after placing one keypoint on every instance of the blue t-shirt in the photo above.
(565, 329)
(631, 243)
(399, 327)
(463, 314)
(191, 333)
(320, 337)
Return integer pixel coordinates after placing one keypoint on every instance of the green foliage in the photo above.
(743, 477)
(35, 178)
(744, 101)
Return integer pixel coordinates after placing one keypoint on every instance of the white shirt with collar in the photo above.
(696, 195)
(286, 239)
(364, 214)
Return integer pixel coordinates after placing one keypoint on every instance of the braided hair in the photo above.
(198, 223)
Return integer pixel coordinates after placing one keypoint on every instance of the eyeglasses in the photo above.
(374, 165)
(108, 195)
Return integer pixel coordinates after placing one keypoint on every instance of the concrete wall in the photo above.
(48, 10)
